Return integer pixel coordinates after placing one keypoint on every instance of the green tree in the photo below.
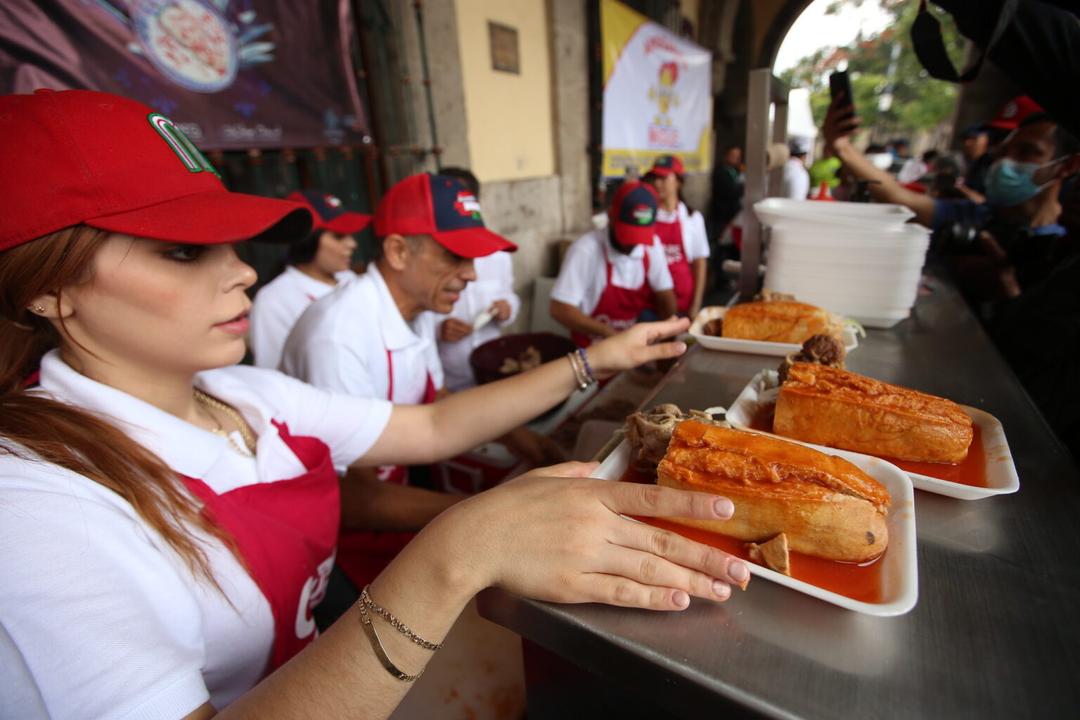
(894, 95)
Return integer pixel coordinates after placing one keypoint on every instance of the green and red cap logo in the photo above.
(633, 213)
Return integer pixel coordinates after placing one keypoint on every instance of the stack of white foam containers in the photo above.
(859, 260)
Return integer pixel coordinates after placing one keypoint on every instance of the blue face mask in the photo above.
(1009, 182)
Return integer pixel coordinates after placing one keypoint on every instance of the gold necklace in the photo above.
(212, 403)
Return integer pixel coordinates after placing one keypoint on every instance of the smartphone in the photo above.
(840, 84)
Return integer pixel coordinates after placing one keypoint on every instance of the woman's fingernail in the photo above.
(721, 589)
(681, 599)
(724, 508)
(739, 572)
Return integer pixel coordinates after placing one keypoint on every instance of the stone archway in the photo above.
(783, 17)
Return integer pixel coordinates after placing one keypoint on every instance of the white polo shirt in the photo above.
(277, 306)
(494, 281)
(342, 341)
(694, 236)
(796, 180)
(583, 275)
(98, 616)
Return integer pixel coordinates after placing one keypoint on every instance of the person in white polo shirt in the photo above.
(313, 267)
(611, 275)
(490, 297)
(375, 337)
(682, 233)
(168, 519)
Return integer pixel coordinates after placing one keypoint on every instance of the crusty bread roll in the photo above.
(826, 506)
(784, 321)
(842, 409)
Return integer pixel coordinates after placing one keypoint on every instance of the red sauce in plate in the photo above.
(858, 582)
(970, 471)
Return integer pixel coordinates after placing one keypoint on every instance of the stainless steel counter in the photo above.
(995, 633)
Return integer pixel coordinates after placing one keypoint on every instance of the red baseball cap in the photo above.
(667, 165)
(80, 156)
(633, 213)
(441, 207)
(1015, 112)
(330, 213)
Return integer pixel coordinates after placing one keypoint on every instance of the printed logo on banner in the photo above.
(662, 131)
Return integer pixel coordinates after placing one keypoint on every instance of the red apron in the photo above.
(682, 276)
(618, 307)
(362, 554)
(285, 531)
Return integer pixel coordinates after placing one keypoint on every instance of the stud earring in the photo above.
(39, 309)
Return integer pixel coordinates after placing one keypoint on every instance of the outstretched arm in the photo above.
(426, 433)
(839, 124)
(550, 535)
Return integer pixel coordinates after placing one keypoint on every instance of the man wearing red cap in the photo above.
(611, 275)
(314, 266)
(373, 337)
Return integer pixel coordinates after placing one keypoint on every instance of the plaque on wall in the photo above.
(504, 48)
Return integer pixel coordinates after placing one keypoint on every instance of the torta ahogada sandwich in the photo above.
(842, 409)
(826, 506)
(783, 321)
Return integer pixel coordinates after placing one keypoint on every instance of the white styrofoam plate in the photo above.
(1001, 476)
(856, 239)
(753, 347)
(877, 215)
(899, 576)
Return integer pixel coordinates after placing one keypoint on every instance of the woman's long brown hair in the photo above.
(35, 427)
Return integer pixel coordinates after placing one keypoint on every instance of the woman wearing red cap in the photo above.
(168, 519)
(682, 233)
(313, 267)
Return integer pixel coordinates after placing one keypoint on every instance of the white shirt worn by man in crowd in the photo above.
(796, 182)
(583, 276)
(611, 276)
(355, 340)
(476, 313)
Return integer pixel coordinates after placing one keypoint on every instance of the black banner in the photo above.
(231, 73)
